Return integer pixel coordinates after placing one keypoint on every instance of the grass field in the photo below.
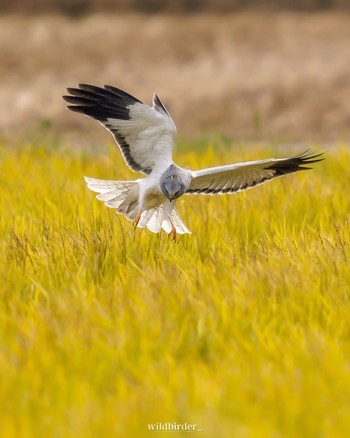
(242, 328)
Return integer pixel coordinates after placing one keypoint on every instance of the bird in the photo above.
(145, 136)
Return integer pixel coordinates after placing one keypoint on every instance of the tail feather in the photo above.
(112, 195)
(123, 196)
(120, 195)
(156, 219)
(179, 225)
(106, 185)
(146, 217)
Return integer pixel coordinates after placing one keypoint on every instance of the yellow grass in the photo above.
(241, 328)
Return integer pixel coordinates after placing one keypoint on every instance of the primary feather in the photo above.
(242, 176)
(145, 136)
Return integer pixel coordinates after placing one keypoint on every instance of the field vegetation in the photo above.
(242, 327)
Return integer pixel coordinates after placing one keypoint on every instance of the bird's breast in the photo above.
(153, 200)
(151, 193)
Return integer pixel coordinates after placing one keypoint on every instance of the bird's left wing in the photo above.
(242, 176)
(144, 134)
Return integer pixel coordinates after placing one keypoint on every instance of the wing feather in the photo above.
(144, 134)
(242, 176)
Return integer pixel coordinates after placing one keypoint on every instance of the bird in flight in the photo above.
(145, 136)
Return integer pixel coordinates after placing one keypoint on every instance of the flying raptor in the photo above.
(145, 136)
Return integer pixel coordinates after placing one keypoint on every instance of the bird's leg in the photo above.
(173, 233)
(137, 218)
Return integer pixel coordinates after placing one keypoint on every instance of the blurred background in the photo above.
(256, 69)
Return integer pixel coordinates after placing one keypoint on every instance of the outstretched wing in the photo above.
(144, 134)
(242, 176)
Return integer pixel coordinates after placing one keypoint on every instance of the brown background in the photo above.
(257, 74)
(81, 7)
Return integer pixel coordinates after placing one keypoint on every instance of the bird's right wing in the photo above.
(242, 176)
(144, 134)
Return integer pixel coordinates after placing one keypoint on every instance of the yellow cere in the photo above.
(241, 328)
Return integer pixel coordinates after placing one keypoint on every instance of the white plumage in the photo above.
(145, 136)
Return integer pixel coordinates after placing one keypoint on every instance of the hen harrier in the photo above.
(145, 136)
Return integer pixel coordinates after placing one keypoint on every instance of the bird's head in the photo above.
(171, 185)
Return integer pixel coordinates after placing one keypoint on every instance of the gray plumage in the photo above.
(145, 136)
(175, 182)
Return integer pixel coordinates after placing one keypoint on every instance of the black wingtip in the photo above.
(294, 164)
(100, 103)
(69, 99)
(76, 109)
(309, 154)
(159, 106)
